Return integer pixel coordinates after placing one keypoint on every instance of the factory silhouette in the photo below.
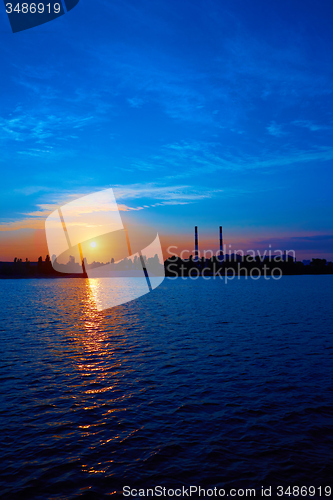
(221, 264)
(240, 264)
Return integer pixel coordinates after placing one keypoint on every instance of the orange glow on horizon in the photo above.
(31, 243)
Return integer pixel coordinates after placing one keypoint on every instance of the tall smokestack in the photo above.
(221, 242)
(196, 257)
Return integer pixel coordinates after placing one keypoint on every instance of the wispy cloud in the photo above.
(207, 157)
(313, 244)
(36, 152)
(135, 102)
(31, 190)
(313, 127)
(39, 126)
(275, 129)
(168, 193)
(157, 196)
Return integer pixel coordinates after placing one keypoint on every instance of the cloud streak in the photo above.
(206, 158)
(158, 196)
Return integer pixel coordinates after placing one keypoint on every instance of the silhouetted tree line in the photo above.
(19, 269)
(27, 269)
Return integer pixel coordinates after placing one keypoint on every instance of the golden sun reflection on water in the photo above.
(111, 291)
(99, 353)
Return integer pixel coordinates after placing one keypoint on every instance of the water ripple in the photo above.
(196, 383)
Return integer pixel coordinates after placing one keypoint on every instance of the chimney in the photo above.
(221, 242)
(196, 257)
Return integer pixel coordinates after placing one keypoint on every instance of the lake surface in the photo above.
(197, 383)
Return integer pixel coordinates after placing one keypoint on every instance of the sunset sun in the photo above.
(93, 244)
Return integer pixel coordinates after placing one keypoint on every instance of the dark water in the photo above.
(197, 383)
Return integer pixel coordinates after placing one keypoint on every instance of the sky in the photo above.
(201, 112)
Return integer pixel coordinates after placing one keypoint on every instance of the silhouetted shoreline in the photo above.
(244, 266)
(233, 265)
(25, 269)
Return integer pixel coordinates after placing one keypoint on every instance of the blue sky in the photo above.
(196, 112)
